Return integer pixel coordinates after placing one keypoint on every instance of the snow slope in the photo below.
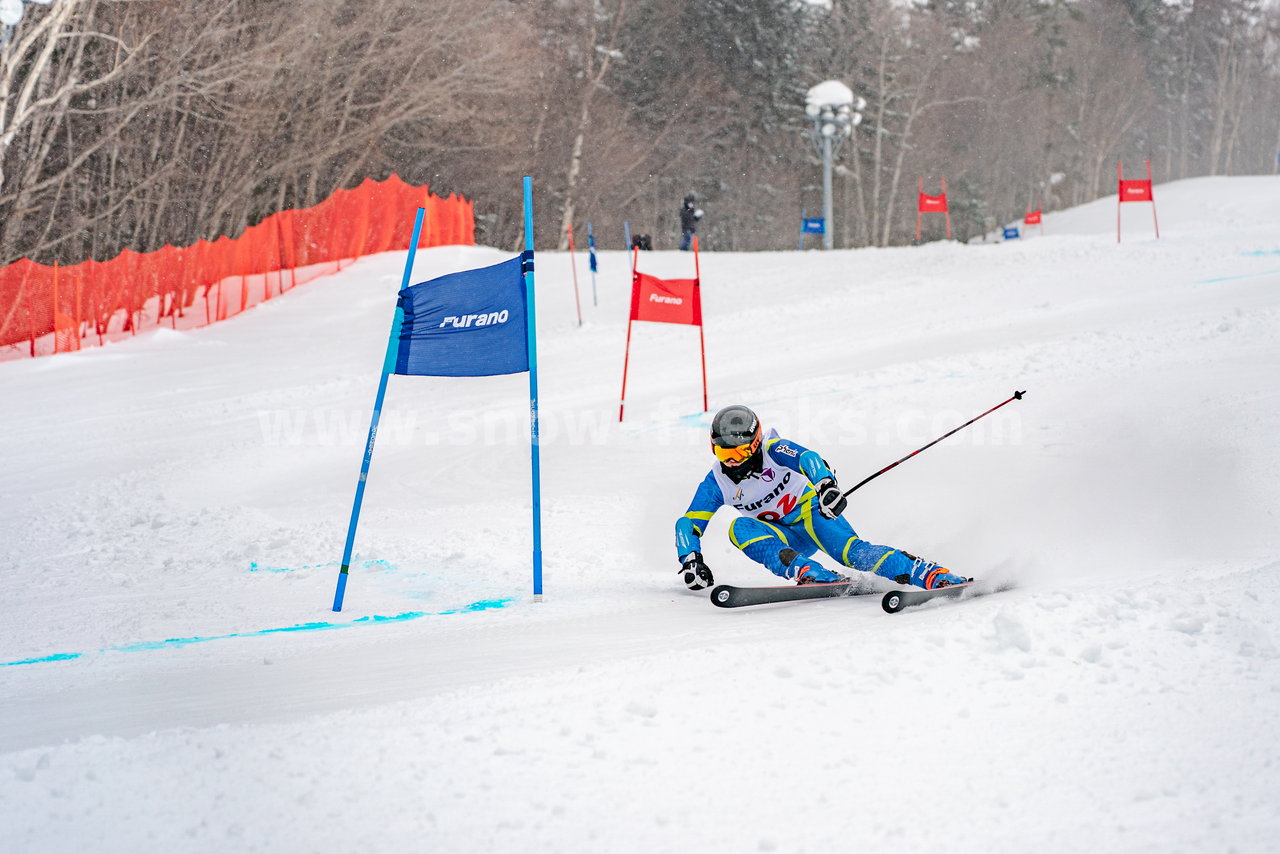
(172, 678)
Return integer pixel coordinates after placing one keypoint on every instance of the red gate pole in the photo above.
(1151, 189)
(573, 265)
(947, 209)
(635, 252)
(702, 341)
(625, 359)
(1119, 194)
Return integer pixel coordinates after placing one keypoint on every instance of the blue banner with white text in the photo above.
(468, 324)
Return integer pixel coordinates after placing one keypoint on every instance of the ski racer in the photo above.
(790, 506)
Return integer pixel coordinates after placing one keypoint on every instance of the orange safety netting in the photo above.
(57, 309)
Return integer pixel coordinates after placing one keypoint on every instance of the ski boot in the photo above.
(940, 576)
(807, 571)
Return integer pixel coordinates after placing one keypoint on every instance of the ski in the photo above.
(896, 600)
(728, 596)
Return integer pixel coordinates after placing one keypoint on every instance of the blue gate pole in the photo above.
(531, 315)
(626, 234)
(388, 368)
(591, 247)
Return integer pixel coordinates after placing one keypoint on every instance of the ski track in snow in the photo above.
(1122, 698)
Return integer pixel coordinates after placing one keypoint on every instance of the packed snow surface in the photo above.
(172, 677)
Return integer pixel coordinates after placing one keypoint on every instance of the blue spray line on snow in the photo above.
(254, 566)
(1241, 276)
(482, 605)
(61, 656)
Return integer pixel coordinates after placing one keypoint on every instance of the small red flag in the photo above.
(933, 204)
(1137, 190)
(666, 300)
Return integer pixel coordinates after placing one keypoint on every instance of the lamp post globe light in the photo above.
(11, 14)
(835, 113)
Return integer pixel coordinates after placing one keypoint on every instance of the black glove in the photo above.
(830, 502)
(695, 573)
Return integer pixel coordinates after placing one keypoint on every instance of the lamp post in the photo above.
(835, 113)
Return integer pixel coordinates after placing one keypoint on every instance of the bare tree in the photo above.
(57, 56)
(589, 49)
(135, 123)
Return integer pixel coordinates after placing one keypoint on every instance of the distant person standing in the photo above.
(690, 213)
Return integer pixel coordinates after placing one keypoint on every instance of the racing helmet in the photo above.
(735, 435)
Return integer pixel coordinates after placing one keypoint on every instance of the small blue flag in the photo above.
(468, 324)
(1011, 232)
(813, 225)
(591, 249)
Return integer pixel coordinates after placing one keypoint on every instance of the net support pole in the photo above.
(55, 307)
(534, 438)
(388, 368)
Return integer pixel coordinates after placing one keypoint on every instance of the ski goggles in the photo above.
(737, 454)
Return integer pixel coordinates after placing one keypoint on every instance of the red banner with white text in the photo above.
(1134, 190)
(665, 300)
(932, 204)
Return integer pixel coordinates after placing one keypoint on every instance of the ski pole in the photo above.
(1017, 395)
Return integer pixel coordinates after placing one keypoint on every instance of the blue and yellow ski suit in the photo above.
(780, 511)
